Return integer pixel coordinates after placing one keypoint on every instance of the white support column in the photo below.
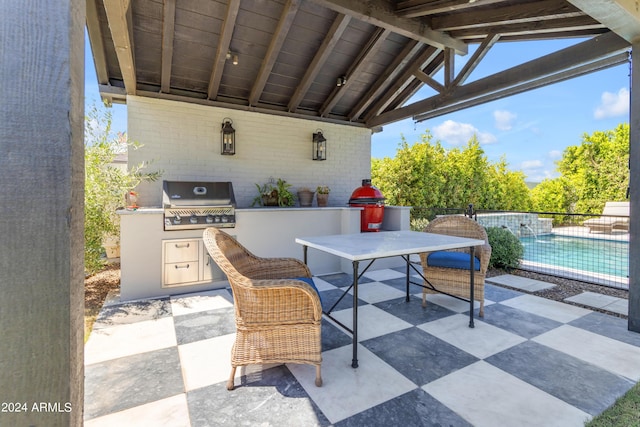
(634, 195)
(41, 212)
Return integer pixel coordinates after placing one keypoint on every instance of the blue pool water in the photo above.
(589, 255)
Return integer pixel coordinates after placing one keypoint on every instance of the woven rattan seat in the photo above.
(278, 318)
(455, 281)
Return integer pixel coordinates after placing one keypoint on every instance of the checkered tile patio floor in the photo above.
(529, 362)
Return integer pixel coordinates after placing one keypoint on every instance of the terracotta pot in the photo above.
(323, 200)
(306, 198)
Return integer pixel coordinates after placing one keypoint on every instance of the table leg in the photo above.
(304, 253)
(354, 360)
(408, 262)
(472, 282)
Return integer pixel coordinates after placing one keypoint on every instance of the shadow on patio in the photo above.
(529, 362)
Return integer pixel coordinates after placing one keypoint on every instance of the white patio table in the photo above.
(384, 244)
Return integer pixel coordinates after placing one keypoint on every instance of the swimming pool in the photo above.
(593, 260)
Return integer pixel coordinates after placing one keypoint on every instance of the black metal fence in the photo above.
(585, 247)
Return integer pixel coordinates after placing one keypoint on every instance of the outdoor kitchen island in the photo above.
(153, 261)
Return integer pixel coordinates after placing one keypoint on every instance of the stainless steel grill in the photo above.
(192, 205)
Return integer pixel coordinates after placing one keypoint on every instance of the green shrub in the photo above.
(418, 224)
(506, 248)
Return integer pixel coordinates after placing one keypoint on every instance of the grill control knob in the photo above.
(209, 219)
(177, 219)
(193, 219)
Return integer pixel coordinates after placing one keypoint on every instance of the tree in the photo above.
(105, 184)
(592, 173)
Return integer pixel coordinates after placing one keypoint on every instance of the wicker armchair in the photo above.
(455, 281)
(278, 318)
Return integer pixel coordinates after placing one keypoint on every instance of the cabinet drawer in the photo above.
(181, 251)
(181, 272)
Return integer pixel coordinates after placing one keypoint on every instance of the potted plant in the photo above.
(274, 194)
(323, 195)
(305, 195)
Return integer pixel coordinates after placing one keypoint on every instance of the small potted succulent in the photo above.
(323, 195)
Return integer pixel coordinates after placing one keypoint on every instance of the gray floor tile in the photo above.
(329, 298)
(131, 312)
(342, 280)
(413, 312)
(609, 326)
(270, 398)
(497, 293)
(416, 408)
(419, 356)
(131, 381)
(520, 322)
(578, 383)
(333, 336)
(205, 324)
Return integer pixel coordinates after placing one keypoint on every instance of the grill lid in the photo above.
(194, 193)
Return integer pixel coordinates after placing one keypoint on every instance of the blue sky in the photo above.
(530, 129)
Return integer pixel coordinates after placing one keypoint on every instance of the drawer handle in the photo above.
(185, 245)
(182, 266)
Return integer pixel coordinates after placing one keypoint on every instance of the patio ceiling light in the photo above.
(319, 146)
(228, 137)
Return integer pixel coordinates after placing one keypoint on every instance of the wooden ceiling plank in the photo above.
(427, 54)
(565, 59)
(621, 16)
(119, 18)
(602, 64)
(168, 30)
(223, 47)
(97, 45)
(381, 13)
(513, 14)
(333, 36)
(428, 80)
(363, 59)
(418, 8)
(390, 73)
(280, 35)
(475, 59)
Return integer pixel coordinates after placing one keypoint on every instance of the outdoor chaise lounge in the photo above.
(277, 308)
(606, 223)
(448, 271)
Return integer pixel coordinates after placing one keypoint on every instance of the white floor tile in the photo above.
(372, 321)
(520, 282)
(488, 397)
(451, 303)
(554, 310)
(614, 356)
(481, 341)
(347, 391)
(206, 362)
(194, 303)
(323, 285)
(125, 340)
(383, 274)
(374, 292)
(170, 412)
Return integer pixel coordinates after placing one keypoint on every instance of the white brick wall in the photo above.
(183, 140)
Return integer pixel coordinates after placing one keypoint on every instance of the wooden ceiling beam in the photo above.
(384, 80)
(333, 36)
(426, 55)
(621, 16)
(602, 64)
(530, 29)
(475, 59)
(382, 13)
(431, 69)
(168, 30)
(363, 59)
(418, 8)
(508, 15)
(223, 48)
(574, 56)
(120, 23)
(280, 35)
(97, 45)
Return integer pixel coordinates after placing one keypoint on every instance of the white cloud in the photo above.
(531, 164)
(555, 154)
(613, 104)
(504, 119)
(455, 133)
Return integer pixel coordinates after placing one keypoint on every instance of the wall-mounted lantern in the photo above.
(319, 146)
(228, 137)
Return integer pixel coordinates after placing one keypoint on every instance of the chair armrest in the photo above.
(269, 302)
